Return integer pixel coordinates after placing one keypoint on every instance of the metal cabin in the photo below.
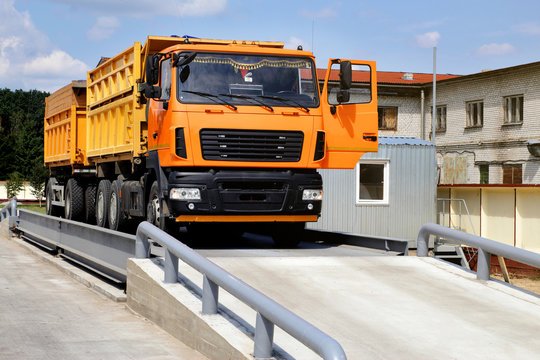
(390, 193)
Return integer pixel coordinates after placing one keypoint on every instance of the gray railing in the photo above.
(102, 250)
(10, 211)
(269, 312)
(486, 247)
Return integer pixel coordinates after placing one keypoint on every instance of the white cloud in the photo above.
(28, 59)
(293, 43)
(142, 8)
(528, 28)
(495, 49)
(429, 39)
(58, 63)
(104, 27)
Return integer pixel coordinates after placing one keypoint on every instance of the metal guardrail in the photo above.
(102, 250)
(9, 211)
(269, 312)
(486, 247)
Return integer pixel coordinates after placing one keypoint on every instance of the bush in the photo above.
(37, 181)
(14, 184)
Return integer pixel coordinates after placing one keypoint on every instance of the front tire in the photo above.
(103, 197)
(153, 209)
(288, 235)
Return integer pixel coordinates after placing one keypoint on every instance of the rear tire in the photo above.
(74, 204)
(90, 204)
(117, 218)
(103, 197)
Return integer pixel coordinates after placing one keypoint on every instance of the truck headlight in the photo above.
(312, 194)
(185, 194)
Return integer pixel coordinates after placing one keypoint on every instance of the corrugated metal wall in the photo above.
(412, 195)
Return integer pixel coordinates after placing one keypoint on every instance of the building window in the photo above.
(512, 174)
(387, 118)
(440, 114)
(484, 173)
(475, 113)
(513, 109)
(373, 182)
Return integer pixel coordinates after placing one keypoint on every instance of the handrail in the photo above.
(486, 247)
(10, 211)
(269, 312)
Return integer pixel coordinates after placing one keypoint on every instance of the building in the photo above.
(390, 193)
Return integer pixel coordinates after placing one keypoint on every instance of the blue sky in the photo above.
(47, 43)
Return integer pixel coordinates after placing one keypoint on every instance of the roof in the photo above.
(403, 140)
(389, 77)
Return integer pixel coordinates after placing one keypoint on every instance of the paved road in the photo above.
(44, 314)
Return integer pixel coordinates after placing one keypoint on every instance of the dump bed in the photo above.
(116, 124)
(65, 114)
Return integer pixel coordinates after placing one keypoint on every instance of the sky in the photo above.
(44, 44)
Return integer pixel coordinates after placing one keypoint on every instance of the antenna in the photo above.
(312, 35)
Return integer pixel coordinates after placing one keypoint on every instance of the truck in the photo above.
(206, 135)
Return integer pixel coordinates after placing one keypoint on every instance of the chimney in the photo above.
(408, 76)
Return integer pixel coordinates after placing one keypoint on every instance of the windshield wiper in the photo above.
(266, 106)
(284, 100)
(213, 97)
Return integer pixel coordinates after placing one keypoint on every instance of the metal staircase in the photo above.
(450, 214)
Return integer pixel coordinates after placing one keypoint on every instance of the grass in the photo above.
(33, 207)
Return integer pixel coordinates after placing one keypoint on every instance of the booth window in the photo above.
(372, 182)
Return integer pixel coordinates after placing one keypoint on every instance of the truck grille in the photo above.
(251, 145)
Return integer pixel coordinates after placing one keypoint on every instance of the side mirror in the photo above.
(152, 69)
(183, 59)
(345, 75)
(150, 91)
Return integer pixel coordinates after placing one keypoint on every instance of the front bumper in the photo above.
(226, 192)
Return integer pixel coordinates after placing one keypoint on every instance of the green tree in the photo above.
(14, 184)
(37, 180)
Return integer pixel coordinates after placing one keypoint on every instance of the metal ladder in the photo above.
(453, 253)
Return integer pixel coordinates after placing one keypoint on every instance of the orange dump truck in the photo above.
(199, 133)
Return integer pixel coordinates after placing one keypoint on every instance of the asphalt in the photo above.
(45, 314)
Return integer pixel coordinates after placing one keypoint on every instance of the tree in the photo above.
(37, 180)
(14, 184)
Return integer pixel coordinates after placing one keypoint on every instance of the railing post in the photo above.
(483, 267)
(13, 215)
(171, 267)
(422, 243)
(210, 294)
(264, 338)
(142, 246)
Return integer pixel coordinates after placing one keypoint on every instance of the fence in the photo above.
(269, 312)
(486, 247)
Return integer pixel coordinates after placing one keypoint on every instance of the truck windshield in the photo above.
(253, 80)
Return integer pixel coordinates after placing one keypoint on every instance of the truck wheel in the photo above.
(74, 200)
(90, 204)
(288, 235)
(103, 196)
(49, 197)
(153, 209)
(117, 218)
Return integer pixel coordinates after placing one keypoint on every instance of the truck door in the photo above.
(350, 118)
(158, 122)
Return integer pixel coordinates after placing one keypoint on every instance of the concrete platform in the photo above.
(45, 314)
(381, 307)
